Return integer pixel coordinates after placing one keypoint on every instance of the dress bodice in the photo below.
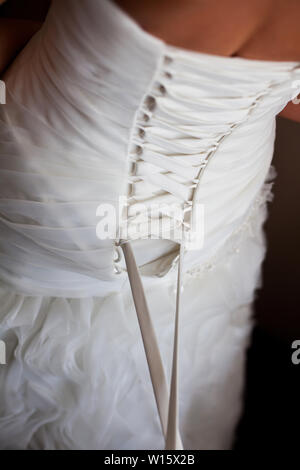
(98, 109)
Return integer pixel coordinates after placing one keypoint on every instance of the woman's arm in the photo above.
(14, 34)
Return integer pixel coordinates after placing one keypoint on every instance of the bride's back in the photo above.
(258, 29)
(92, 89)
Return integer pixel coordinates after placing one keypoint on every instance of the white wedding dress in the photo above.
(98, 109)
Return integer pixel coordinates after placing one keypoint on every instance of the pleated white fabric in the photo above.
(98, 109)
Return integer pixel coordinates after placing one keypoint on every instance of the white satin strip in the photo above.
(173, 440)
(167, 405)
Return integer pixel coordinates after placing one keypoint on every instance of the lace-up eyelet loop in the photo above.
(168, 60)
(162, 89)
(141, 132)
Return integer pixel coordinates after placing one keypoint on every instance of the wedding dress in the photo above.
(98, 110)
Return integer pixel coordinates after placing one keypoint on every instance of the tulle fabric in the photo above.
(77, 375)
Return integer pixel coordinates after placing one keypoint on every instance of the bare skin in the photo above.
(253, 29)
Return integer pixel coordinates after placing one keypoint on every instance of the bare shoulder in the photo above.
(278, 35)
(278, 38)
(212, 26)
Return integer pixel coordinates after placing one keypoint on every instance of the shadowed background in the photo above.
(273, 384)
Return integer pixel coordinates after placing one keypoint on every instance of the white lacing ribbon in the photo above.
(167, 404)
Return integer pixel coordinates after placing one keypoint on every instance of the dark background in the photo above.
(272, 399)
(272, 384)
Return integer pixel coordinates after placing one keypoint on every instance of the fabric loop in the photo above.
(167, 406)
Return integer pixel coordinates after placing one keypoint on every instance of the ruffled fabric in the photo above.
(77, 375)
